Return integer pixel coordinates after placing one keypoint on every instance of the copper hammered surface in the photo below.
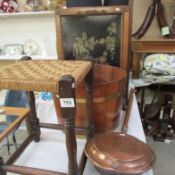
(114, 153)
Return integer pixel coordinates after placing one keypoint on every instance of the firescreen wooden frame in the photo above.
(123, 11)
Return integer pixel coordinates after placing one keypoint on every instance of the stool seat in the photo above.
(41, 75)
(114, 153)
(59, 77)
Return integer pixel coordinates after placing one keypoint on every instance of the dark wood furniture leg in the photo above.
(68, 109)
(142, 101)
(33, 122)
(82, 163)
(2, 172)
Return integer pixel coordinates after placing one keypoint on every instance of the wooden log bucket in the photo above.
(108, 91)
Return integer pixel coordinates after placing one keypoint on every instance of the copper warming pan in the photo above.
(116, 153)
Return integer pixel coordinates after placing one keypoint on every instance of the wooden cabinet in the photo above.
(149, 45)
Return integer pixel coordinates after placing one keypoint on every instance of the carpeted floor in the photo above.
(165, 157)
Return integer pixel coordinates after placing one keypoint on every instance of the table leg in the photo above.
(33, 121)
(142, 103)
(68, 110)
(2, 172)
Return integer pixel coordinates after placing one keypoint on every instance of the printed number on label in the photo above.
(67, 102)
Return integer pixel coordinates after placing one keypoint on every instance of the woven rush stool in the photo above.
(59, 77)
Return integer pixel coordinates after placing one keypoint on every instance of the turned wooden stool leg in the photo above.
(33, 121)
(2, 172)
(68, 109)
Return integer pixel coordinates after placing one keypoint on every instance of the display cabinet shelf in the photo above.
(17, 28)
(34, 57)
(25, 14)
(149, 45)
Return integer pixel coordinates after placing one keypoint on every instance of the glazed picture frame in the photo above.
(98, 32)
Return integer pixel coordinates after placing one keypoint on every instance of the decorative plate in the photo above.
(30, 47)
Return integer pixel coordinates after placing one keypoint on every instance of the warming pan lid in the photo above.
(114, 152)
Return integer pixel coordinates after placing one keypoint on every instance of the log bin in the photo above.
(108, 90)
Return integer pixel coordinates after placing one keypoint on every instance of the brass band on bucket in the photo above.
(98, 99)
